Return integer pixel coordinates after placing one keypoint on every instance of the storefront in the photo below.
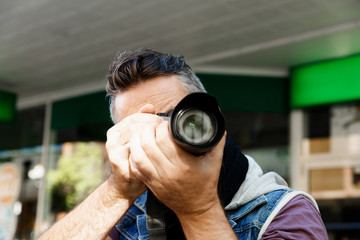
(325, 131)
(299, 126)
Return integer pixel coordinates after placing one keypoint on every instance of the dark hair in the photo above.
(130, 68)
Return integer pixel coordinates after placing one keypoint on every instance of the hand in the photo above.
(122, 180)
(185, 183)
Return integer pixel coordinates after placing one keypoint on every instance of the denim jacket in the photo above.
(247, 220)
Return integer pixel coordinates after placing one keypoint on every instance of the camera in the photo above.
(196, 123)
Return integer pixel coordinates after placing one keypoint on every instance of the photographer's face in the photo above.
(158, 95)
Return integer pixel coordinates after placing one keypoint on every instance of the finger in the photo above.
(140, 164)
(218, 151)
(152, 151)
(166, 144)
(126, 128)
(119, 161)
(117, 153)
(148, 108)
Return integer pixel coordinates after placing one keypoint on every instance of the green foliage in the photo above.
(76, 176)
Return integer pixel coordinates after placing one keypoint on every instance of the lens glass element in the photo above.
(196, 127)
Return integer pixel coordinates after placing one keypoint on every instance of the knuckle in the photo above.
(135, 165)
(161, 139)
(108, 143)
(146, 145)
(109, 133)
(147, 142)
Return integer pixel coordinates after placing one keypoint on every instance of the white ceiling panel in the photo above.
(52, 46)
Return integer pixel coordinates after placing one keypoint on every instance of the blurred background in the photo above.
(286, 74)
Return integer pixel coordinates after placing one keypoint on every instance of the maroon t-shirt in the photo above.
(298, 219)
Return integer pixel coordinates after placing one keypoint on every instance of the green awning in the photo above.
(7, 106)
(248, 93)
(332, 81)
(79, 111)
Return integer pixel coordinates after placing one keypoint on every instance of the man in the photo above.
(194, 190)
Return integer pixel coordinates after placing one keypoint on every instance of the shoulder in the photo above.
(113, 235)
(299, 218)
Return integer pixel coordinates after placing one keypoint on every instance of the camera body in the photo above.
(196, 123)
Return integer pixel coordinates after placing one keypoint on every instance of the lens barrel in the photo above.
(196, 123)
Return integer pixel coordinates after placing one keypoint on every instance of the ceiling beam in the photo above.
(251, 71)
(41, 99)
(275, 43)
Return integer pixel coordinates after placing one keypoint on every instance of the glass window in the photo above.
(20, 145)
(263, 136)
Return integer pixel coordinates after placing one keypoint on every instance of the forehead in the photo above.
(163, 92)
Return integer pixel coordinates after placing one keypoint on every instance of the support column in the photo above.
(297, 169)
(44, 161)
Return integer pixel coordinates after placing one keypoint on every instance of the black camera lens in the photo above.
(196, 127)
(197, 123)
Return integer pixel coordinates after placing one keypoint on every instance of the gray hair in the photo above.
(130, 68)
